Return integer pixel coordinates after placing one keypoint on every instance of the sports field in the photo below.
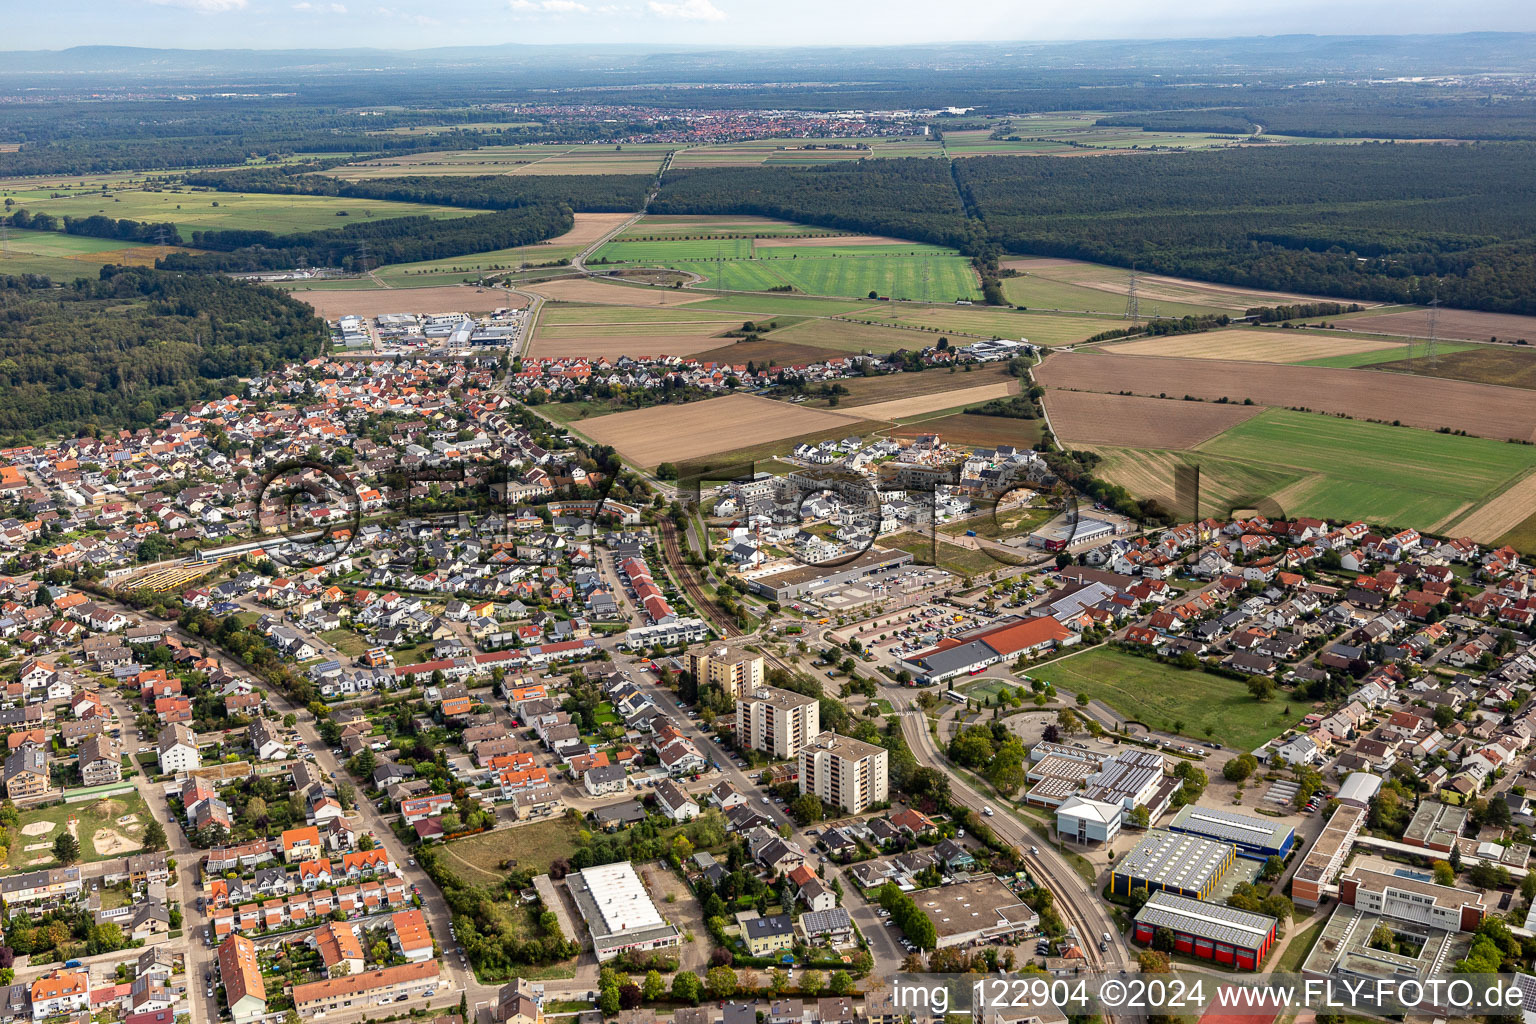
(855, 267)
(1164, 697)
(191, 209)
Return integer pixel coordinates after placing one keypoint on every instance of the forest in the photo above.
(372, 243)
(1389, 113)
(583, 193)
(121, 349)
(1385, 222)
(1381, 221)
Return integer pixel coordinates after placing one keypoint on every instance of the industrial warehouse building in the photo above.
(1164, 861)
(619, 911)
(1209, 931)
(1256, 838)
(975, 649)
(788, 584)
(1062, 535)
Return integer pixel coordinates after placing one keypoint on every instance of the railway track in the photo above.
(691, 585)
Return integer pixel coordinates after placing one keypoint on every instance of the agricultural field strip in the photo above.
(1089, 418)
(1484, 409)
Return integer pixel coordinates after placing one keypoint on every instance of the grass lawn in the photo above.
(1300, 945)
(477, 859)
(1160, 695)
(605, 715)
(345, 641)
(91, 817)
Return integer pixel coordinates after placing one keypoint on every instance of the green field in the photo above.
(1523, 537)
(804, 151)
(773, 305)
(1381, 474)
(65, 257)
(992, 322)
(845, 336)
(587, 158)
(477, 859)
(197, 209)
(1389, 355)
(1160, 695)
(662, 226)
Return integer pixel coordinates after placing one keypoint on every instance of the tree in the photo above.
(1240, 768)
(720, 982)
(629, 996)
(1446, 875)
(154, 836)
(66, 849)
(609, 1000)
(811, 983)
(1261, 687)
(806, 808)
(654, 987)
(778, 981)
(686, 988)
(840, 983)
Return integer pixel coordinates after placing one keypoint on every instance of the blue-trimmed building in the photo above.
(1255, 838)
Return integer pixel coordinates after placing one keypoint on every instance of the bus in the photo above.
(957, 696)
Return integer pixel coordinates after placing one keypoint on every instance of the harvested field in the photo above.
(559, 344)
(1500, 516)
(1508, 366)
(916, 405)
(589, 228)
(1225, 484)
(964, 428)
(1480, 409)
(1156, 287)
(582, 289)
(1467, 324)
(867, 391)
(378, 301)
(1252, 345)
(1086, 418)
(848, 337)
(672, 433)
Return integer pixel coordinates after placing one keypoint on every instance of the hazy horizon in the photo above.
(418, 24)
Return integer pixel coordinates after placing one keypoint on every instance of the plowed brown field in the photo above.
(671, 433)
(1082, 417)
(1480, 409)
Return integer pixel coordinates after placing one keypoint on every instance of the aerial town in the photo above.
(619, 519)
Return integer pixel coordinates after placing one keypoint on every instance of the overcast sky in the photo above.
(409, 24)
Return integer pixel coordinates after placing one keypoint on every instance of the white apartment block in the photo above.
(777, 722)
(845, 772)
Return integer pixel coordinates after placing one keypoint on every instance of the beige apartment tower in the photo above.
(777, 722)
(845, 772)
(733, 670)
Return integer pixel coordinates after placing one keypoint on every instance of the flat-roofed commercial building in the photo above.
(788, 584)
(619, 911)
(1408, 899)
(733, 670)
(975, 649)
(1210, 931)
(777, 722)
(1165, 861)
(1256, 838)
(975, 911)
(1436, 826)
(845, 772)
